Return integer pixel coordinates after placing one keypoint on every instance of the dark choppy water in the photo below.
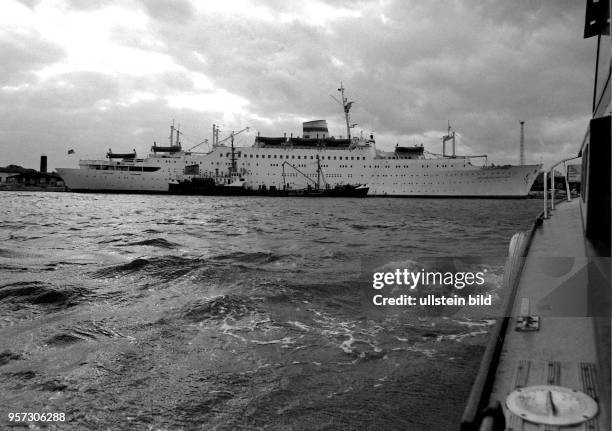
(163, 312)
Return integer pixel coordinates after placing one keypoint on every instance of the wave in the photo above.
(84, 331)
(153, 242)
(39, 293)
(234, 306)
(164, 267)
(11, 254)
(6, 253)
(63, 339)
(349, 289)
(8, 356)
(170, 267)
(108, 241)
(358, 226)
(257, 257)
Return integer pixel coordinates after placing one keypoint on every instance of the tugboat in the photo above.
(230, 184)
(547, 364)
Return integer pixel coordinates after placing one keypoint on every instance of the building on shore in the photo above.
(14, 177)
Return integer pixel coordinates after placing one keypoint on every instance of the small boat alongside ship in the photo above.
(351, 163)
(236, 185)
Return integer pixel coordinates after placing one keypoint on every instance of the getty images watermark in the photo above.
(411, 280)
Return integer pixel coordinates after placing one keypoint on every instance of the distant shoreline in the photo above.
(22, 188)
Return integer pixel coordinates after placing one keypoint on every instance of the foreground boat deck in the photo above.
(570, 348)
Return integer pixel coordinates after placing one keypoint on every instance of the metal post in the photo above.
(567, 187)
(522, 148)
(596, 70)
(552, 188)
(545, 195)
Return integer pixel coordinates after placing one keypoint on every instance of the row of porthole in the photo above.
(280, 156)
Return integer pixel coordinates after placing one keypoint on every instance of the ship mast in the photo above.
(178, 133)
(450, 136)
(318, 173)
(346, 106)
(231, 138)
(233, 168)
(172, 133)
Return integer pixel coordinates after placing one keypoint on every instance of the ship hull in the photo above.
(89, 180)
(487, 182)
(384, 175)
(262, 168)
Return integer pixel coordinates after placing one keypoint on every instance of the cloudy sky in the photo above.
(93, 75)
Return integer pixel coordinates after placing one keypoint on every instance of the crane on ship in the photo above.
(320, 175)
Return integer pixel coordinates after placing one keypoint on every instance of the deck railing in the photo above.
(551, 172)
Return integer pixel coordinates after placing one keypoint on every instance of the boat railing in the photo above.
(110, 162)
(551, 173)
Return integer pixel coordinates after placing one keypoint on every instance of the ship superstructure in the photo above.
(405, 171)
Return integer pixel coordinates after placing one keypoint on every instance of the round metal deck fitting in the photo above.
(551, 405)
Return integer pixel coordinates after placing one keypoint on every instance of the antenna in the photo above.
(522, 148)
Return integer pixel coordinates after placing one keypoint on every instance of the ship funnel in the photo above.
(43, 163)
(316, 128)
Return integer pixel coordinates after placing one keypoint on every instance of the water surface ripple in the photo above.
(164, 312)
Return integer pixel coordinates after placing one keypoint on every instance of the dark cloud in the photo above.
(170, 11)
(23, 54)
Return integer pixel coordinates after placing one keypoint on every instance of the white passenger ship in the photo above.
(295, 162)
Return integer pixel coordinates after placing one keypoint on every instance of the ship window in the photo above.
(257, 156)
(311, 157)
(334, 157)
(275, 156)
(352, 158)
(299, 157)
(293, 157)
(340, 157)
(251, 156)
(220, 155)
